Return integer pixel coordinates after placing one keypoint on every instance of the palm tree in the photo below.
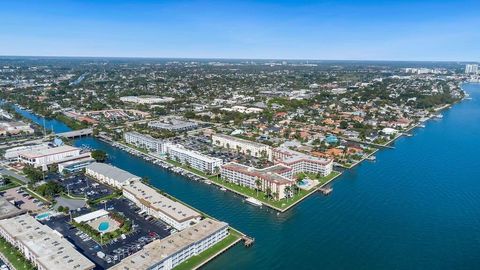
(269, 192)
(258, 183)
(287, 191)
(275, 195)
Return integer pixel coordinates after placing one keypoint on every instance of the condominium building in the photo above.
(44, 157)
(144, 141)
(44, 247)
(167, 253)
(300, 162)
(193, 159)
(173, 125)
(276, 177)
(146, 99)
(471, 69)
(155, 204)
(250, 148)
(110, 175)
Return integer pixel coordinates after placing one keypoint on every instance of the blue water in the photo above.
(416, 207)
(103, 226)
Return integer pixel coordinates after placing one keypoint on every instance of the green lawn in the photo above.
(207, 254)
(325, 179)
(14, 182)
(37, 196)
(283, 203)
(14, 256)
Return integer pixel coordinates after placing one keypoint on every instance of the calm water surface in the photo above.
(416, 207)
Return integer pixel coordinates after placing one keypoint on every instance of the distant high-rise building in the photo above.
(471, 69)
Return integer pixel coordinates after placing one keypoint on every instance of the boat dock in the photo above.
(325, 190)
(248, 241)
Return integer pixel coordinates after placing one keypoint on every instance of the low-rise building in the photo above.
(14, 128)
(44, 247)
(171, 251)
(144, 141)
(13, 153)
(276, 178)
(173, 125)
(244, 146)
(193, 159)
(155, 204)
(44, 157)
(110, 175)
(76, 165)
(301, 163)
(8, 210)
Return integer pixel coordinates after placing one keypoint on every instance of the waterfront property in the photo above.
(109, 174)
(193, 159)
(44, 247)
(275, 179)
(244, 146)
(155, 204)
(144, 141)
(171, 251)
(13, 153)
(301, 163)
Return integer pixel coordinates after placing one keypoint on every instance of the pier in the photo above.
(76, 133)
(248, 241)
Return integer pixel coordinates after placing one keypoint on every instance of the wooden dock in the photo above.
(248, 241)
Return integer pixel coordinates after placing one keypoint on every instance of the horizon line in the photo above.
(241, 58)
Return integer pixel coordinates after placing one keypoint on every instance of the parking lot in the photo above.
(82, 186)
(23, 200)
(203, 144)
(144, 231)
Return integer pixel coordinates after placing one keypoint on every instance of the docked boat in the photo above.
(371, 158)
(421, 126)
(223, 189)
(253, 201)
(439, 116)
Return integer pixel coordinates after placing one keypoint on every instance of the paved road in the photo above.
(14, 174)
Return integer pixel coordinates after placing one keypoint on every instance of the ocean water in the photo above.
(416, 207)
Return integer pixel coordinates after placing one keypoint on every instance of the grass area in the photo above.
(106, 198)
(14, 182)
(207, 254)
(325, 179)
(283, 203)
(37, 196)
(14, 256)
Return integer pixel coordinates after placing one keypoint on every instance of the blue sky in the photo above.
(346, 30)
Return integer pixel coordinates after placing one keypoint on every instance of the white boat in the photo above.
(421, 126)
(253, 201)
(223, 189)
(439, 116)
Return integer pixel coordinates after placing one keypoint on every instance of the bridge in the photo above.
(76, 133)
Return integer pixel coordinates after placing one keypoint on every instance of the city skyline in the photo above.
(344, 30)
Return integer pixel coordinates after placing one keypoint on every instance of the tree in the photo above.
(99, 155)
(269, 192)
(32, 173)
(258, 184)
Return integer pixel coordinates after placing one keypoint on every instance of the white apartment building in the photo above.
(167, 253)
(144, 141)
(174, 125)
(44, 247)
(44, 157)
(276, 177)
(471, 69)
(246, 147)
(110, 175)
(300, 162)
(157, 205)
(146, 99)
(194, 159)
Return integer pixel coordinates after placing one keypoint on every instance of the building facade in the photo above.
(144, 141)
(193, 159)
(301, 163)
(246, 147)
(155, 204)
(44, 157)
(110, 175)
(167, 253)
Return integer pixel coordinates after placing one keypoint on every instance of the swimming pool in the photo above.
(303, 183)
(43, 216)
(103, 226)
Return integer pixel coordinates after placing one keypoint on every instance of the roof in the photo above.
(52, 251)
(151, 198)
(91, 216)
(37, 153)
(294, 156)
(159, 250)
(8, 210)
(270, 174)
(232, 138)
(112, 172)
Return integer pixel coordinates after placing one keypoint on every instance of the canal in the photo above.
(416, 207)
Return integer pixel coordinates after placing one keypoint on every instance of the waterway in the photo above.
(416, 207)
